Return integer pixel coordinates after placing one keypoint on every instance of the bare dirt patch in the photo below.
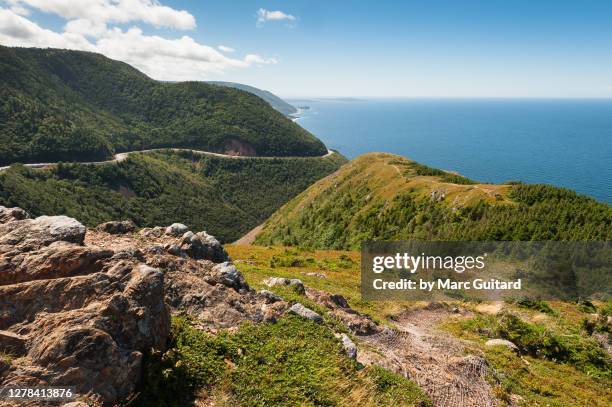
(450, 372)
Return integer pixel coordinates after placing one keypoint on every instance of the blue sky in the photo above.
(358, 48)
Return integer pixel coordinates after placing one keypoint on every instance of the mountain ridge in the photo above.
(381, 196)
(276, 102)
(63, 105)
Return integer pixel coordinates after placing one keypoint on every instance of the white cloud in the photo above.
(114, 11)
(264, 16)
(223, 48)
(161, 58)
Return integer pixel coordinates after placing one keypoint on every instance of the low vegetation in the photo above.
(560, 360)
(291, 362)
(226, 197)
(386, 197)
(62, 105)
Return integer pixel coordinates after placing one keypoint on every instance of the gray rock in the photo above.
(501, 342)
(176, 229)
(175, 250)
(227, 274)
(201, 245)
(10, 214)
(269, 296)
(313, 274)
(30, 234)
(62, 227)
(304, 312)
(348, 345)
(117, 227)
(282, 281)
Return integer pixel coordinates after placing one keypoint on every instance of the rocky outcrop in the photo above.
(356, 322)
(81, 308)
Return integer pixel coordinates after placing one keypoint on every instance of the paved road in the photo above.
(123, 156)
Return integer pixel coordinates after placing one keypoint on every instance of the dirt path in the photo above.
(123, 156)
(249, 238)
(439, 363)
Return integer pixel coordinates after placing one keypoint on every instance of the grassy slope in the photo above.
(226, 197)
(537, 378)
(292, 362)
(79, 106)
(384, 196)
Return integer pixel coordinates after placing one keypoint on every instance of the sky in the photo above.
(316, 48)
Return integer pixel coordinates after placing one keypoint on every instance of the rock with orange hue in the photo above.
(80, 308)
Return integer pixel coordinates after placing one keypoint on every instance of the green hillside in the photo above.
(79, 106)
(274, 101)
(224, 196)
(387, 197)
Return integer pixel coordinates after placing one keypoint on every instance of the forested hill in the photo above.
(274, 101)
(387, 197)
(80, 106)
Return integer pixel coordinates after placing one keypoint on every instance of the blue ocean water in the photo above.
(561, 142)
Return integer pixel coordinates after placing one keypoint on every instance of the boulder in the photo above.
(117, 227)
(176, 229)
(348, 345)
(227, 274)
(201, 245)
(282, 281)
(304, 312)
(30, 234)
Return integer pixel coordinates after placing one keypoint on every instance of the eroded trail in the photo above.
(445, 367)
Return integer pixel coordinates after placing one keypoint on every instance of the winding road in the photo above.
(123, 156)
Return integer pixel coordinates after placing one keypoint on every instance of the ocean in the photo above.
(566, 143)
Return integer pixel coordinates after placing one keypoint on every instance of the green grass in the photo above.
(415, 168)
(386, 197)
(540, 382)
(538, 305)
(560, 364)
(538, 340)
(291, 362)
